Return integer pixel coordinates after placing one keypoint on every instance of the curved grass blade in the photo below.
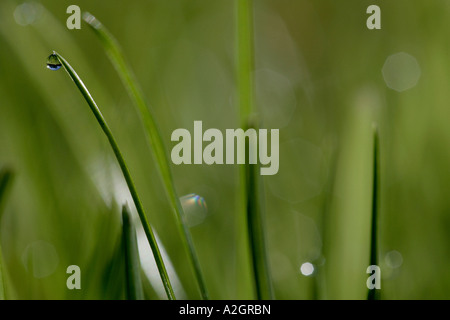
(134, 287)
(6, 177)
(153, 136)
(148, 231)
(254, 203)
(374, 294)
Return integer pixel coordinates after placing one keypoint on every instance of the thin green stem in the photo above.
(256, 233)
(154, 139)
(148, 231)
(320, 277)
(245, 59)
(253, 185)
(373, 294)
(135, 290)
(6, 177)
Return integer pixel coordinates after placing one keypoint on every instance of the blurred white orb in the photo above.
(401, 71)
(307, 269)
(40, 259)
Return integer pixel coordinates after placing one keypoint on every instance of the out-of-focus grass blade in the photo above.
(140, 209)
(117, 58)
(245, 55)
(6, 176)
(374, 294)
(254, 203)
(256, 233)
(320, 291)
(132, 264)
(110, 275)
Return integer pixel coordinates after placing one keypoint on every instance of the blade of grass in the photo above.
(132, 264)
(326, 212)
(107, 279)
(102, 122)
(256, 233)
(254, 203)
(373, 294)
(6, 176)
(153, 136)
(245, 59)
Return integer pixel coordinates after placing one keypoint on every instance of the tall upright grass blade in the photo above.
(6, 177)
(254, 201)
(255, 227)
(373, 294)
(126, 173)
(321, 280)
(153, 136)
(245, 61)
(134, 287)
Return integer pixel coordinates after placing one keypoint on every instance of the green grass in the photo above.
(300, 64)
(245, 59)
(134, 289)
(123, 166)
(254, 200)
(154, 139)
(256, 232)
(374, 294)
(6, 177)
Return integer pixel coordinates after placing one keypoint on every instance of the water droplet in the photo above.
(53, 62)
(307, 269)
(195, 209)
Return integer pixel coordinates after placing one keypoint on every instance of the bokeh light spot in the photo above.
(27, 13)
(394, 259)
(40, 259)
(307, 269)
(401, 71)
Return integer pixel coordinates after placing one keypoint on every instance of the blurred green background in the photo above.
(321, 77)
